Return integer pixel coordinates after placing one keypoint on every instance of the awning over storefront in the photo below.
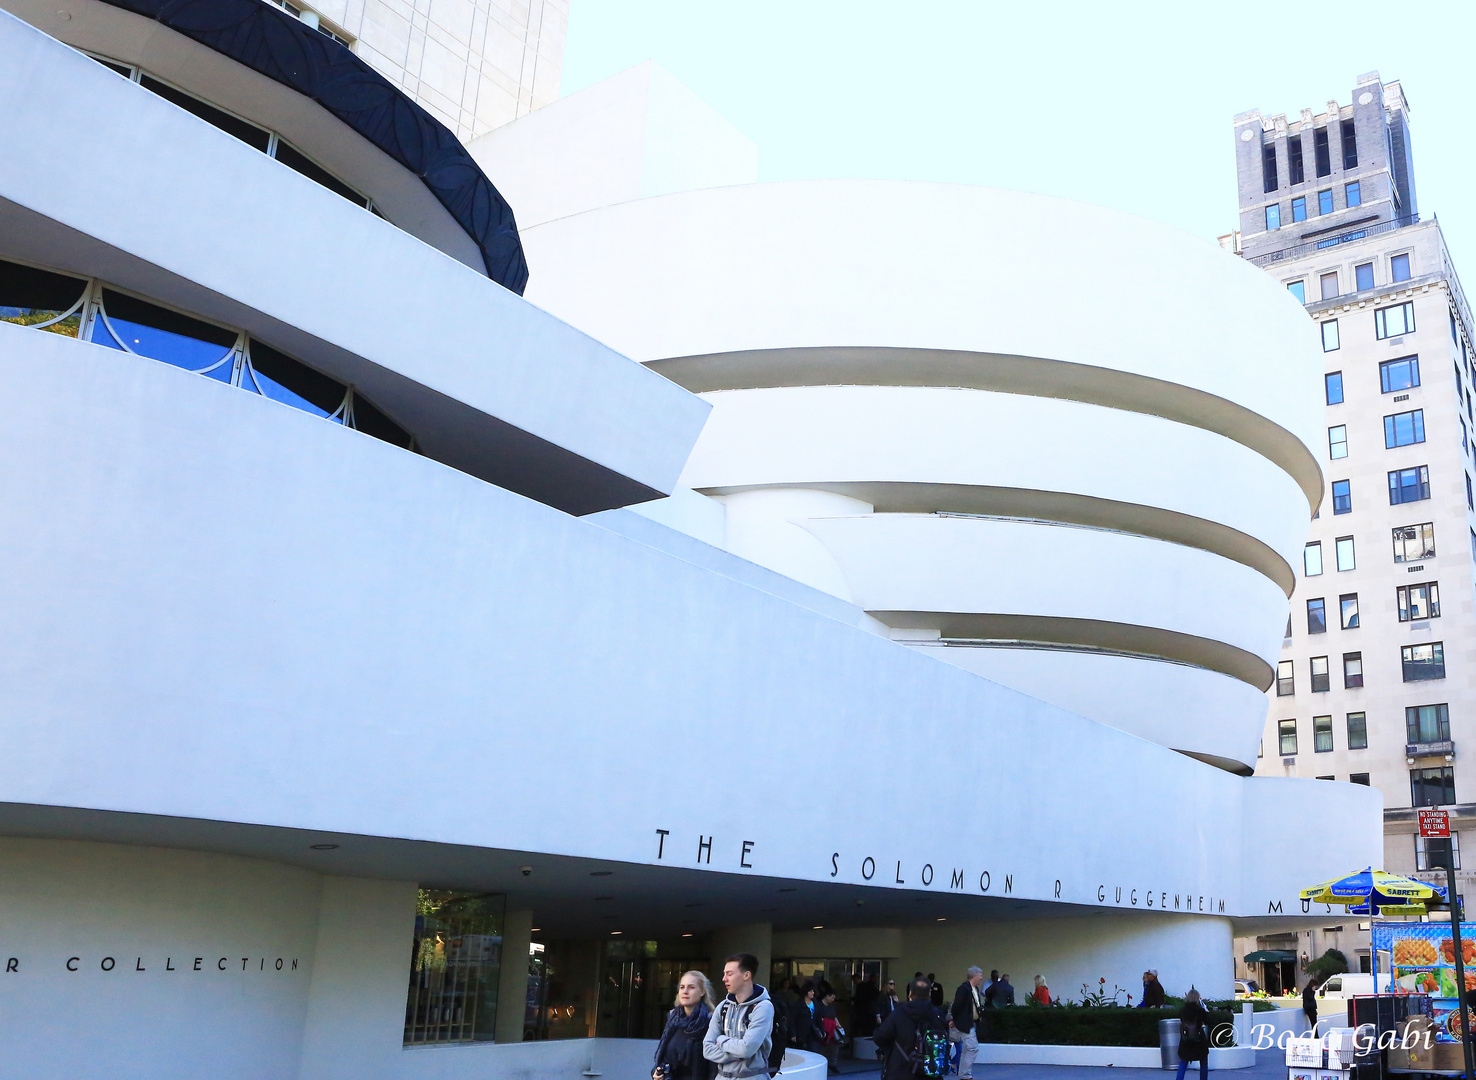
(1270, 956)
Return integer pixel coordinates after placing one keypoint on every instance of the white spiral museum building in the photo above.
(871, 576)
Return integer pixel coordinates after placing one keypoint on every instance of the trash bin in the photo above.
(1168, 1043)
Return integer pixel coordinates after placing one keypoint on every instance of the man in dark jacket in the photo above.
(967, 1007)
(896, 1039)
(1152, 990)
(1004, 993)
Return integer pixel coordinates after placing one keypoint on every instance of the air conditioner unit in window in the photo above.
(1288, 761)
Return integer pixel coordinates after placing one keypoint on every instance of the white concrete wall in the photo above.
(327, 722)
(152, 910)
(356, 1014)
(634, 135)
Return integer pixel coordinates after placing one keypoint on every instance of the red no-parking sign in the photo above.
(1435, 824)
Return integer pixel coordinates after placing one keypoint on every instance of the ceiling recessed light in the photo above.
(601, 873)
(616, 933)
(817, 928)
(941, 919)
(688, 934)
(536, 930)
(324, 847)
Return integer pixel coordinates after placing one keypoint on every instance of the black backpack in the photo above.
(779, 1038)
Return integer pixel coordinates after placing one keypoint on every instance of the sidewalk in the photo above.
(1270, 1065)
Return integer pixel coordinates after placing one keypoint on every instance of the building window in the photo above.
(1363, 276)
(1394, 321)
(1333, 383)
(1273, 217)
(1287, 732)
(1427, 723)
(1414, 542)
(1285, 681)
(1298, 289)
(1320, 681)
(455, 962)
(1295, 173)
(1420, 601)
(1348, 605)
(1330, 338)
(1337, 441)
(1432, 787)
(1352, 677)
(1345, 553)
(1430, 853)
(1322, 734)
(1312, 559)
(1342, 493)
(1288, 634)
(1299, 208)
(1329, 282)
(1360, 778)
(1357, 731)
(1401, 374)
(1317, 616)
(1350, 148)
(1321, 153)
(1268, 171)
(1423, 662)
(1324, 202)
(1354, 194)
(1404, 429)
(1399, 268)
(1409, 485)
(1470, 500)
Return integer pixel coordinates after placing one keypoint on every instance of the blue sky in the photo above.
(1127, 105)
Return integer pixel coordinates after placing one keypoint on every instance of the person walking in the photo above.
(897, 1039)
(831, 1032)
(739, 1033)
(679, 1052)
(1152, 991)
(885, 1002)
(1042, 992)
(1309, 1005)
(1194, 1042)
(964, 1018)
(804, 1030)
(1004, 993)
(935, 991)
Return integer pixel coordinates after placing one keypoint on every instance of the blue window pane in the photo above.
(1324, 202)
(1273, 217)
(1399, 267)
(1404, 429)
(1342, 492)
(1355, 194)
(1409, 485)
(1364, 273)
(277, 392)
(204, 357)
(1299, 208)
(1299, 290)
(1400, 374)
(1334, 383)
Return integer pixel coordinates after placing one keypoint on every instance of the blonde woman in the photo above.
(1042, 992)
(679, 1053)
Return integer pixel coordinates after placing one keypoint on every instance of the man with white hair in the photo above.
(964, 1020)
(1152, 990)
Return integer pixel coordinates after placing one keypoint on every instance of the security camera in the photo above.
(526, 870)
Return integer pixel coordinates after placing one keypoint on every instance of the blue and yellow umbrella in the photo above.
(1376, 892)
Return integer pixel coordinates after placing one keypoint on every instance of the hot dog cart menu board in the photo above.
(1423, 958)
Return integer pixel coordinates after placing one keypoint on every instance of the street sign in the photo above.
(1435, 824)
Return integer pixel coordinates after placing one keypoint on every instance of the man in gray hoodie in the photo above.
(739, 1034)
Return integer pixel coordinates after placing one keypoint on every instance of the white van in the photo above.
(1342, 987)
